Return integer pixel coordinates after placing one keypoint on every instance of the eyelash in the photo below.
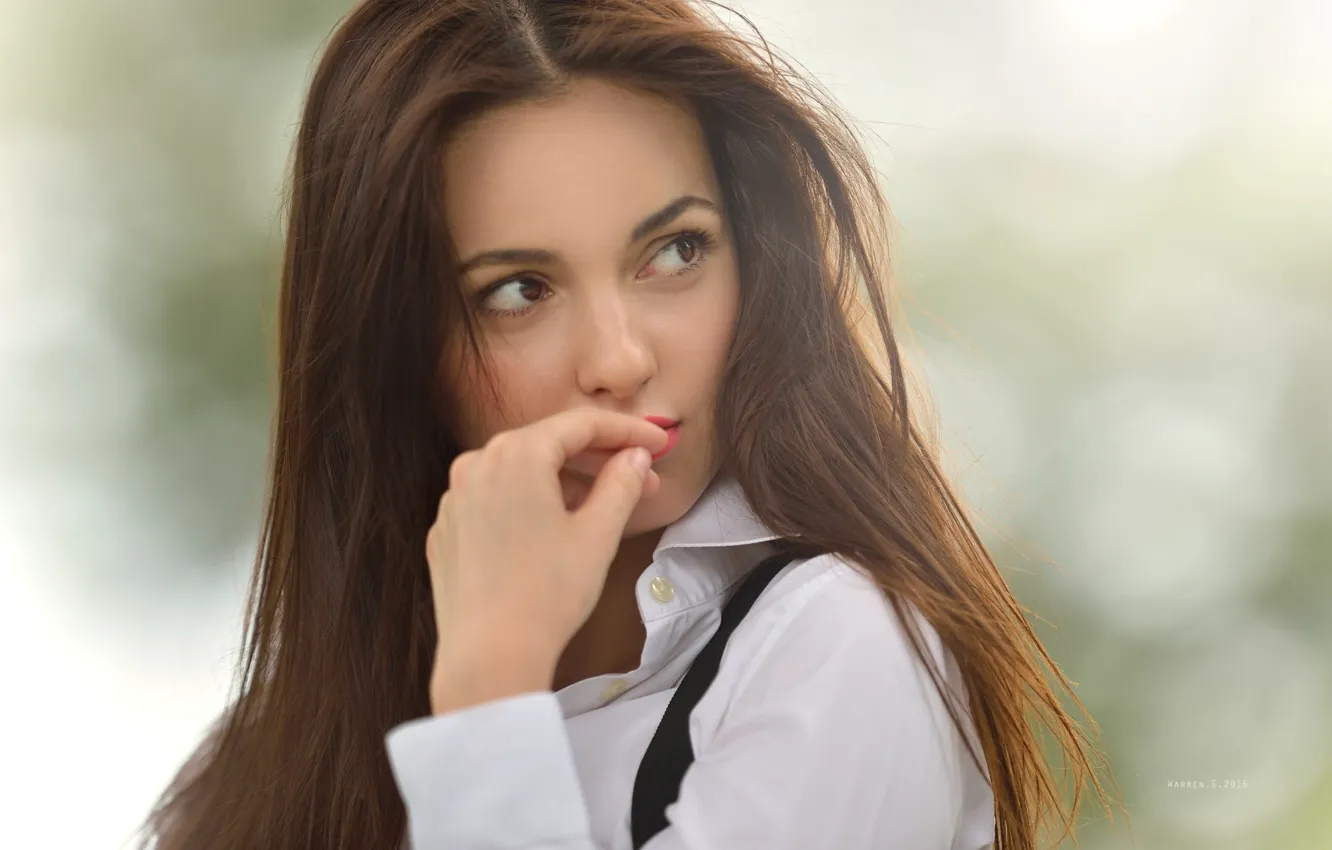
(703, 242)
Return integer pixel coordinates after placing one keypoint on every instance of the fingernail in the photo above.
(640, 458)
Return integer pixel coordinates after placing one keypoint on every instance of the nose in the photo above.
(614, 357)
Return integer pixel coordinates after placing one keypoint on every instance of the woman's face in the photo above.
(600, 271)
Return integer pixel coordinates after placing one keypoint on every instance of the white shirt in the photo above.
(821, 730)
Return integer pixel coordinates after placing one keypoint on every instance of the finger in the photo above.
(614, 495)
(589, 462)
(575, 431)
(651, 483)
(575, 486)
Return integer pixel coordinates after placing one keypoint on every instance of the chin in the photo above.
(643, 521)
(660, 509)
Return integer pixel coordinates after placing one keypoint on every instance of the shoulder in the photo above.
(831, 605)
(823, 624)
(825, 664)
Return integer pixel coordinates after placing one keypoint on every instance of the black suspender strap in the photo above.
(670, 752)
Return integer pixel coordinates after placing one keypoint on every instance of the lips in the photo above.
(672, 427)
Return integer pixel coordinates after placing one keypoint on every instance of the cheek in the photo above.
(711, 327)
(717, 338)
(475, 415)
(519, 397)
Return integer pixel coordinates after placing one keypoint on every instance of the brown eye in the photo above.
(689, 249)
(511, 297)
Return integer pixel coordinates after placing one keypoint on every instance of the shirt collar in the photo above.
(721, 516)
(705, 552)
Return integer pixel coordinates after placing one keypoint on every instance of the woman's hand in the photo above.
(514, 572)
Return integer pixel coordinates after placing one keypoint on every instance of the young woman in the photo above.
(597, 519)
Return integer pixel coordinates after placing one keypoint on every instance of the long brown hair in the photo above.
(813, 417)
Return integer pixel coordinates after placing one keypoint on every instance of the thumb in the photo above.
(615, 493)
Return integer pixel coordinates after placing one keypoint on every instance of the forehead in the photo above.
(593, 162)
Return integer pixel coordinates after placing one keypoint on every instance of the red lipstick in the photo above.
(672, 427)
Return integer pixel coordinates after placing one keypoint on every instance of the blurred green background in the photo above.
(1114, 246)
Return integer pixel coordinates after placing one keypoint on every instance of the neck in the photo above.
(611, 641)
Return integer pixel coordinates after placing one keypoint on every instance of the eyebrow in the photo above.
(658, 219)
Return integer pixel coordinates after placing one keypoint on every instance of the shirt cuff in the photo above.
(498, 774)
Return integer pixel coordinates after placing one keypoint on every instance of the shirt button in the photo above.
(614, 689)
(662, 590)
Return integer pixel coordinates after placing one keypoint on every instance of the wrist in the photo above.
(461, 682)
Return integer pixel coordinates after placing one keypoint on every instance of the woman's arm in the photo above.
(835, 741)
(496, 775)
